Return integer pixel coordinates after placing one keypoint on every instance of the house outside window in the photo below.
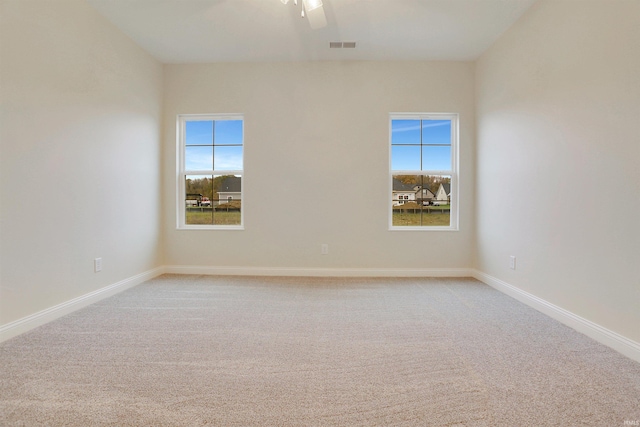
(423, 157)
(210, 171)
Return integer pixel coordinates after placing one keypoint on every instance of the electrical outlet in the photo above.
(512, 262)
(97, 265)
(324, 249)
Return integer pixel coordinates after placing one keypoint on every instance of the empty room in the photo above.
(319, 213)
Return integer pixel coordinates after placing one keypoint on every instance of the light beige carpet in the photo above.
(233, 351)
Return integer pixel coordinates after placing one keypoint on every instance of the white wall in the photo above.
(80, 155)
(558, 155)
(316, 162)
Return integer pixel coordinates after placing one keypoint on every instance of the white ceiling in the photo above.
(187, 31)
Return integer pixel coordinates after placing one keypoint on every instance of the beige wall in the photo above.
(316, 162)
(79, 135)
(558, 134)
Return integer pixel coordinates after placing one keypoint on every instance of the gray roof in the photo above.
(401, 186)
(231, 184)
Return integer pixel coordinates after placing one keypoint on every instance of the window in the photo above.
(210, 171)
(423, 171)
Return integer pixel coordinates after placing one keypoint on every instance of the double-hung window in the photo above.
(423, 171)
(210, 171)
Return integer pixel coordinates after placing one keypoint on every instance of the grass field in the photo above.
(206, 216)
(425, 220)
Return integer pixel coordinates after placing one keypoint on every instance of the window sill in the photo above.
(210, 227)
(424, 229)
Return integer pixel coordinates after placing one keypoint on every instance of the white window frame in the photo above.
(453, 172)
(182, 173)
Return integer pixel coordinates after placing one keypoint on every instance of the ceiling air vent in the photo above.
(340, 45)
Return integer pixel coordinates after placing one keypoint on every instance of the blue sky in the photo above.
(221, 142)
(407, 150)
(200, 151)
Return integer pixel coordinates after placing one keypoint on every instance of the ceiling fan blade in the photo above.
(317, 18)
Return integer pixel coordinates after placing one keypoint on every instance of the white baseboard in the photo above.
(621, 344)
(320, 272)
(27, 323)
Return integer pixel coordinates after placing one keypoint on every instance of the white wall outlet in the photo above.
(97, 265)
(512, 262)
(324, 249)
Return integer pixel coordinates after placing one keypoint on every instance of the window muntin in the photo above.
(210, 171)
(423, 171)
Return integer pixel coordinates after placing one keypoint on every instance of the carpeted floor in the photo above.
(245, 351)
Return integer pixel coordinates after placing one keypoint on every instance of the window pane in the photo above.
(227, 200)
(405, 206)
(421, 200)
(438, 211)
(405, 132)
(405, 157)
(198, 199)
(211, 145)
(199, 133)
(228, 132)
(227, 158)
(405, 188)
(408, 214)
(435, 157)
(436, 132)
(198, 158)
